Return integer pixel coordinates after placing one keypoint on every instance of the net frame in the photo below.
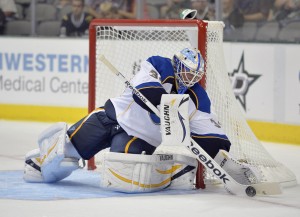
(209, 39)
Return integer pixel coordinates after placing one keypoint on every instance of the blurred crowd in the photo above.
(266, 20)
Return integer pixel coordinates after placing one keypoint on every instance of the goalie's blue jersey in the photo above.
(156, 77)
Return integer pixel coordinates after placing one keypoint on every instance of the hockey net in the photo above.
(126, 43)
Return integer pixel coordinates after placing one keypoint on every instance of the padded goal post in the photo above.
(128, 42)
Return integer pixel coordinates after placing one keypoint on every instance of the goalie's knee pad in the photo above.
(58, 169)
(240, 171)
(146, 173)
(55, 170)
(54, 164)
(51, 161)
(32, 168)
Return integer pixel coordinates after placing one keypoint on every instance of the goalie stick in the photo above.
(270, 188)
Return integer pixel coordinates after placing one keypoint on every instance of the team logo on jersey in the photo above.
(241, 81)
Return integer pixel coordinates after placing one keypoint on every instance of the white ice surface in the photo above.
(16, 138)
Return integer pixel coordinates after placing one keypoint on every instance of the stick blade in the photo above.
(267, 188)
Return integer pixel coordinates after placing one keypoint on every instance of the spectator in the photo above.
(2, 22)
(62, 7)
(174, 8)
(108, 10)
(9, 9)
(211, 14)
(232, 17)
(93, 7)
(202, 7)
(59, 4)
(254, 10)
(77, 22)
(93, 3)
(285, 10)
(127, 9)
(112, 9)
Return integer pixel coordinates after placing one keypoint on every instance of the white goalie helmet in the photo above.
(189, 67)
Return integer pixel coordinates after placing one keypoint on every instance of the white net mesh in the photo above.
(127, 48)
(245, 145)
(127, 45)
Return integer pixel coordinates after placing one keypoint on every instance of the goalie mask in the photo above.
(189, 68)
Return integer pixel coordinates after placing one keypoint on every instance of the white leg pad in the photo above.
(33, 173)
(32, 169)
(54, 165)
(146, 173)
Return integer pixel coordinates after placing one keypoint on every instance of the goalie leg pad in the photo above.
(59, 169)
(134, 173)
(32, 169)
(242, 172)
(33, 172)
(54, 165)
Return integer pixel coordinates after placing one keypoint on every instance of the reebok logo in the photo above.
(208, 163)
(140, 96)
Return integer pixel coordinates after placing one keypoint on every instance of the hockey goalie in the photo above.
(132, 131)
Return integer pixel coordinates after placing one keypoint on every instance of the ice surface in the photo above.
(79, 196)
